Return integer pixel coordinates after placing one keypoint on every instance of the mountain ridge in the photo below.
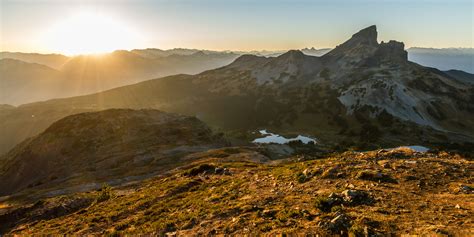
(105, 145)
(370, 95)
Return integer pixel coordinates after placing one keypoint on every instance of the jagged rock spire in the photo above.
(366, 36)
(365, 39)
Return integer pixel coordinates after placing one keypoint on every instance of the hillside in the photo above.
(90, 148)
(236, 191)
(461, 76)
(20, 80)
(362, 93)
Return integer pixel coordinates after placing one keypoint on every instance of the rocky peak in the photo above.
(293, 54)
(247, 61)
(359, 46)
(392, 51)
(199, 54)
(366, 36)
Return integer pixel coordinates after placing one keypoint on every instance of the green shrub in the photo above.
(323, 204)
(301, 178)
(105, 193)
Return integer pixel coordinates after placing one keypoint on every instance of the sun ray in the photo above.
(90, 33)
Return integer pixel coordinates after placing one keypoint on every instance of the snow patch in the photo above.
(275, 138)
(389, 95)
(415, 148)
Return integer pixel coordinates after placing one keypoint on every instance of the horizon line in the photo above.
(203, 49)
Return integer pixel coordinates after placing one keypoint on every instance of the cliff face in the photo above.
(392, 51)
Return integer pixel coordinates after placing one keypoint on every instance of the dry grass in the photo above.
(256, 198)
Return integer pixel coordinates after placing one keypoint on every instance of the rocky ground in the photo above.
(240, 191)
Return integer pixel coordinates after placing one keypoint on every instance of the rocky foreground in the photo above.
(240, 191)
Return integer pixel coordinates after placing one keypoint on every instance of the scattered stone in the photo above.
(381, 151)
(356, 197)
(466, 189)
(375, 176)
(207, 169)
(269, 213)
(204, 168)
(385, 164)
(325, 204)
(301, 177)
(171, 234)
(341, 221)
(457, 206)
(332, 173)
(227, 172)
(218, 170)
(307, 173)
(340, 224)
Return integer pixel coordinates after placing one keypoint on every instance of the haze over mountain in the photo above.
(444, 59)
(23, 83)
(85, 74)
(51, 60)
(339, 97)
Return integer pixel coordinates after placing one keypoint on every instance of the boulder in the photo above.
(356, 197)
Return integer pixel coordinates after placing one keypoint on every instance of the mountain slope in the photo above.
(20, 80)
(376, 193)
(107, 145)
(461, 76)
(360, 93)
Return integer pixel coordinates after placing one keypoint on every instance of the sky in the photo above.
(69, 26)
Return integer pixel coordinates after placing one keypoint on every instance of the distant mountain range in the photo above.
(362, 93)
(27, 77)
(444, 59)
(51, 60)
(182, 154)
(71, 76)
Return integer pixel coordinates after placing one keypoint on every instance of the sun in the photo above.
(90, 33)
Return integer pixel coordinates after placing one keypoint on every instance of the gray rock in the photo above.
(269, 213)
(356, 197)
(307, 173)
(338, 224)
(219, 170)
(227, 172)
(466, 189)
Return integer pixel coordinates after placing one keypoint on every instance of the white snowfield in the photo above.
(275, 138)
